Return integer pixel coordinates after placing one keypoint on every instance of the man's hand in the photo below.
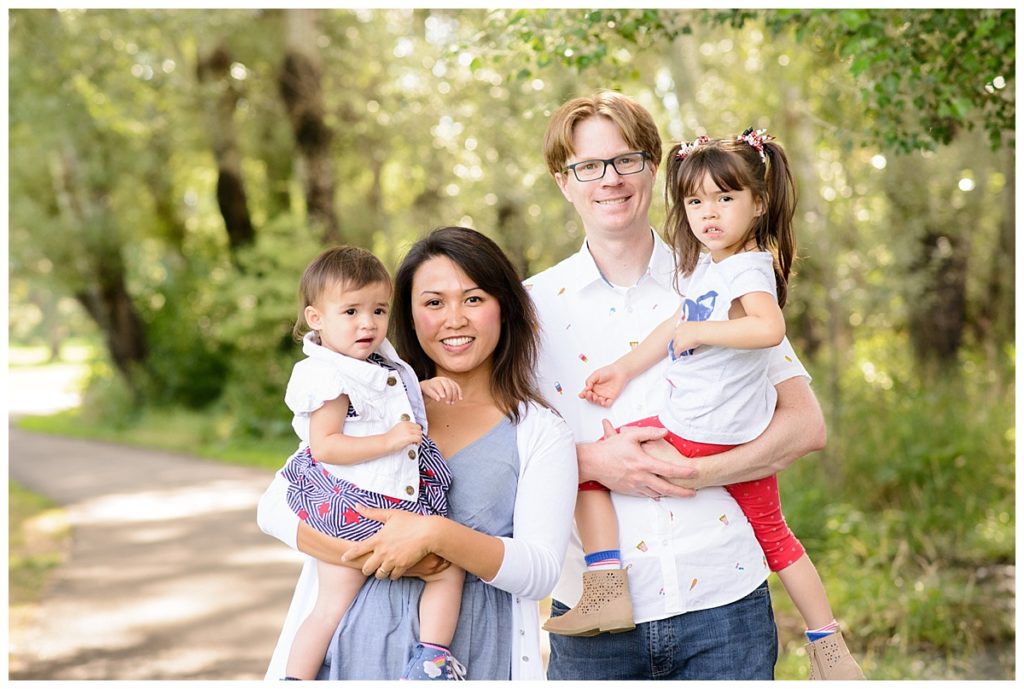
(662, 450)
(621, 463)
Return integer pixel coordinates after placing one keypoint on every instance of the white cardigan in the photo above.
(542, 521)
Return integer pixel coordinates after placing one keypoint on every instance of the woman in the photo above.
(461, 312)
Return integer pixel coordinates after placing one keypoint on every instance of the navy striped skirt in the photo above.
(327, 502)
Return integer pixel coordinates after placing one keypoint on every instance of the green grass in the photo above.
(37, 535)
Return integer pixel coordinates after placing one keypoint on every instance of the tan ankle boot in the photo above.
(604, 606)
(831, 659)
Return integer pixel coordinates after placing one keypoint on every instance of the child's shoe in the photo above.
(831, 659)
(605, 606)
(431, 662)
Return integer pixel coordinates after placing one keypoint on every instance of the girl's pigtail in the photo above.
(677, 227)
(778, 228)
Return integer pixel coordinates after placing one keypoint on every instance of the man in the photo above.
(697, 576)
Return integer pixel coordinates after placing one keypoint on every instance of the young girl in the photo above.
(360, 418)
(731, 205)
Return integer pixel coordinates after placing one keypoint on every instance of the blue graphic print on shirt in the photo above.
(699, 310)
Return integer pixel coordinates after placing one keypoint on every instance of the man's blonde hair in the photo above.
(636, 124)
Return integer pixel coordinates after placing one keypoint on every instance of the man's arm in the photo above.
(796, 429)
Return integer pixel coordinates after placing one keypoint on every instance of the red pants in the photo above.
(758, 499)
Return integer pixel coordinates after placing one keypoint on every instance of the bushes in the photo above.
(909, 512)
(260, 310)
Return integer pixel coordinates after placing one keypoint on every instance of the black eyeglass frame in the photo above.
(644, 156)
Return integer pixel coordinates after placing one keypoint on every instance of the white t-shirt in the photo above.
(683, 554)
(722, 395)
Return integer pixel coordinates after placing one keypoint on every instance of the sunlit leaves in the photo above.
(923, 72)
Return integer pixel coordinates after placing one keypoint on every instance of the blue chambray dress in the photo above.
(375, 638)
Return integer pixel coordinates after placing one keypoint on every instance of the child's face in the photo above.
(721, 220)
(351, 322)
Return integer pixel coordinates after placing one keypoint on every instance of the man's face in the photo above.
(614, 205)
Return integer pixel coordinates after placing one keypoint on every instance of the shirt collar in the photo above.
(363, 372)
(660, 268)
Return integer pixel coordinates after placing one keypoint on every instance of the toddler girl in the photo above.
(360, 418)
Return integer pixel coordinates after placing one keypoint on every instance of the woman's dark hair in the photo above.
(515, 356)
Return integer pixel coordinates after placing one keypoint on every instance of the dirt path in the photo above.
(168, 576)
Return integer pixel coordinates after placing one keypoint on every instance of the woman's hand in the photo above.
(428, 566)
(403, 541)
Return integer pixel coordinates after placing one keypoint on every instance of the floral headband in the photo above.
(686, 149)
(756, 138)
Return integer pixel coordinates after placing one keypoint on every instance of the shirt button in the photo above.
(406, 417)
(409, 490)
(412, 454)
(525, 659)
(391, 380)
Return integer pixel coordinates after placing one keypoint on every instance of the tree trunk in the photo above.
(213, 68)
(512, 230)
(937, 268)
(98, 274)
(684, 63)
(995, 321)
(940, 313)
(107, 301)
(301, 90)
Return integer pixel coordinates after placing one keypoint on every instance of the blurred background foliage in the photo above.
(172, 171)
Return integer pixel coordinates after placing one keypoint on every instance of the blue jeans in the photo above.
(734, 641)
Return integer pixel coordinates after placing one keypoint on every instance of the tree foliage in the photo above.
(921, 75)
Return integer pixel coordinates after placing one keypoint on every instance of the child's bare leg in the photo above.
(807, 592)
(829, 657)
(605, 604)
(596, 520)
(439, 606)
(337, 588)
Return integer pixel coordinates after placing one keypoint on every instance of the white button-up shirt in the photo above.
(380, 401)
(683, 554)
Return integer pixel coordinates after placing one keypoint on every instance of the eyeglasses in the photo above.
(625, 164)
